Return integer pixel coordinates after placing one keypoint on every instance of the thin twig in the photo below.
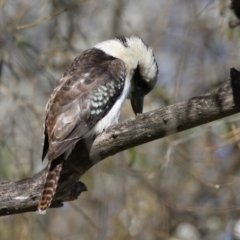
(40, 20)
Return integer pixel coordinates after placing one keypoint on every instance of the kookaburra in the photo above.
(89, 96)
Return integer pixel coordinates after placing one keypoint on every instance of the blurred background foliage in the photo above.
(185, 186)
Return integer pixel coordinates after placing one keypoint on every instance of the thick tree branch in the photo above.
(23, 196)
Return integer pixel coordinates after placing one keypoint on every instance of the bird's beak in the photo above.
(137, 101)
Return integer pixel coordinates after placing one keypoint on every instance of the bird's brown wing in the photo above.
(84, 95)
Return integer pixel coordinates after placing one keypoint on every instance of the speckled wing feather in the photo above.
(82, 97)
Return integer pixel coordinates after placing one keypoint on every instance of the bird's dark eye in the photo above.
(137, 77)
(140, 82)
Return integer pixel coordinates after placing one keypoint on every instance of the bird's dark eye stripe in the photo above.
(140, 82)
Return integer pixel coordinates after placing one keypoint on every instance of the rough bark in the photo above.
(22, 196)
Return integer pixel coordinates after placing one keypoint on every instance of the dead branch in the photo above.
(22, 196)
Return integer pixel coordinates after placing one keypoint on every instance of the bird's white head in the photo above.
(140, 63)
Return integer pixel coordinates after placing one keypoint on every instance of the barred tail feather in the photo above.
(51, 183)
